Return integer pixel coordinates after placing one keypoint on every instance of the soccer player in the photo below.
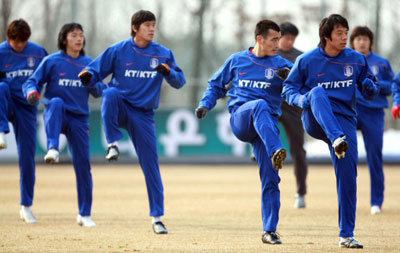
(291, 117)
(371, 115)
(396, 96)
(18, 59)
(67, 109)
(324, 83)
(138, 66)
(254, 106)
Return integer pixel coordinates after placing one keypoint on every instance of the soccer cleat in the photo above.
(112, 153)
(278, 158)
(52, 156)
(159, 228)
(350, 242)
(300, 201)
(376, 210)
(26, 215)
(85, 221)
(271, 237)
(3, 142)
(340, 145)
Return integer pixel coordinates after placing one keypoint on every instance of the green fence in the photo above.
(180, 137)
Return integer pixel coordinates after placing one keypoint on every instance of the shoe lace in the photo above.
(274, 235)
(159, 223)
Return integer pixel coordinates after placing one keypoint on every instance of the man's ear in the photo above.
(134, 28)
(259, 38)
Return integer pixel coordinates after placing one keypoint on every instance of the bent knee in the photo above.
(110, 92)
(317, 92)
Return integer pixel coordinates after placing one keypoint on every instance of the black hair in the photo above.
(62, 36)
(139, 18)
(327, 25)
(289, 28)
(18, 30)
(362, 31)
(263, 27)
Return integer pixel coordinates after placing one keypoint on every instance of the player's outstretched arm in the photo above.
(172, 72)
(32, 87)
(396, 96)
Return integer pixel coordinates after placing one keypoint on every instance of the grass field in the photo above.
(208, 209)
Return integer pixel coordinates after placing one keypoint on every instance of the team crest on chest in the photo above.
(269, 73)
(154, 63)
(348, 70)
(31, 62)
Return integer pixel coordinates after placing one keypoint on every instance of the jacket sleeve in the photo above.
(293, 84)
(216, 85)
(396, 90)
(36, 81)
(386, 80)
(102, 66)
(176, 78)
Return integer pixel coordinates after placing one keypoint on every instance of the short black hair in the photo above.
(362, 31)
(18, 30)
(327, 25)
(139, 18)
(289, 28)
(263, 26)
(62, 36)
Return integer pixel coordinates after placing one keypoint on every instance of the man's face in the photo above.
(339, 38)
(270, 44)
(146, 30)
(17, 45)
(362, 44)
(75, 40)
(286, 42)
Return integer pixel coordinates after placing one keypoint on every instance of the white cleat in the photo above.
(376, 210)
(340, 145)
(3, 142)
(159, 228)
(26, 215)
(112, 153)
(85, 221)
(52, 156)
(300, 201)
(350, 242)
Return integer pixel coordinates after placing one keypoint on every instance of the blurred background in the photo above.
(202, 34)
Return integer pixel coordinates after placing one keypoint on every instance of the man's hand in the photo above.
(163, 69)
(282, 73)
(33, 97)
(396, 111)
(370, 86)
(201, 112)
(85, 77)
(2, 74)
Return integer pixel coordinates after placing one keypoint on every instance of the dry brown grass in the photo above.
(208, 209)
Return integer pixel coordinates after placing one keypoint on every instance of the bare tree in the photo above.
(5, 17)
(51, 17)
(243, 20)
(91, 31)
(198, 44)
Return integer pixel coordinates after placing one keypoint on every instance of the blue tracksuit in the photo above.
(131, 102)
(67, 112)
(330, 85)
(371, 122)
(18, 66)
(396, 90)
(255, 106)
